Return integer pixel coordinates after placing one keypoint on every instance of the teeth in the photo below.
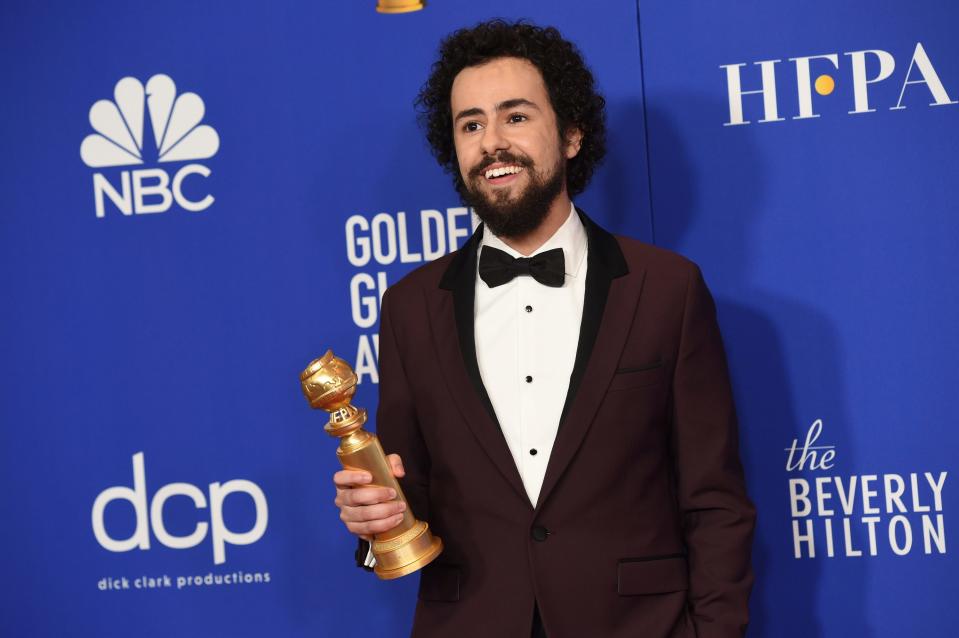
(503, 170)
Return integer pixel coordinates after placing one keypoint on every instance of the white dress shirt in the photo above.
(526, 336)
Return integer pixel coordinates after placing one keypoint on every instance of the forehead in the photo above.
(496, 81)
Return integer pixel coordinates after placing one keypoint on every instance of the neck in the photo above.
(556, 217)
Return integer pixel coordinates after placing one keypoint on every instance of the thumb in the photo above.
(396, 463)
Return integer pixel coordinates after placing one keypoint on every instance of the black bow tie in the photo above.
(497, 267)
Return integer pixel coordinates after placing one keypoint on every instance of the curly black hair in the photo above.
(569, 82)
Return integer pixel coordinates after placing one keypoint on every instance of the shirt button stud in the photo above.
(529, 379)
(532, 452)
(529, 308)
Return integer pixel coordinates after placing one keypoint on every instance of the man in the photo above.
(556, 398)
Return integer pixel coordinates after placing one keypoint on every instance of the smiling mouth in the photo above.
(502, 174)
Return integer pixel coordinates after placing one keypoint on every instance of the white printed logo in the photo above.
(825, 84)
(840, 515)
(151, 517)
(119, 141)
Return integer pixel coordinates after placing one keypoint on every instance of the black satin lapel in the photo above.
(464, 299)
(594, 302)
(456, 350)
(604, 261)
(603, 331)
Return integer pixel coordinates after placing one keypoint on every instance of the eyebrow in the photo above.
(502, 106)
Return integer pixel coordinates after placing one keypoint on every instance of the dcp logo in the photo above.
(137, 496)
(120, 141)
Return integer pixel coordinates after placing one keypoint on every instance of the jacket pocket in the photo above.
(440, 583)
(637, 377)
(653, 575)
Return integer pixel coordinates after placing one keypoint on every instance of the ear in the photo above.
(574, 141)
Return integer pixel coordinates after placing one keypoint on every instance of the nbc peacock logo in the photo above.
(121, 140)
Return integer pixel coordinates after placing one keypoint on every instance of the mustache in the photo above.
(504, 157)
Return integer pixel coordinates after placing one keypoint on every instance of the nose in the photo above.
(493, 139)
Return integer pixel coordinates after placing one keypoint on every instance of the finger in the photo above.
(396, 463)
(364, 496)
(349, 478)
(375, 527)
(371, 512)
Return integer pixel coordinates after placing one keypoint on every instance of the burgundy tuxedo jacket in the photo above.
(643, 526)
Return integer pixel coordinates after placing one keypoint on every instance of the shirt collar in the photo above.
(571, 237)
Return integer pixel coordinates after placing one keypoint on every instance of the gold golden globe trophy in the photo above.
(329, 383)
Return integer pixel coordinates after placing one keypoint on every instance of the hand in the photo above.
(368, 510)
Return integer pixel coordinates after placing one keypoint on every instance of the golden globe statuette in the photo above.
(329, 383)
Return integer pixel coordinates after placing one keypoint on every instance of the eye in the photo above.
(471, 127)
(516, 118)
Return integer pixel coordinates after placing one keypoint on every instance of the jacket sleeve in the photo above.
(718, 517)
(397, 424)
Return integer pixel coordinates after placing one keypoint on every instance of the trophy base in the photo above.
(405, 554)
(395, 7)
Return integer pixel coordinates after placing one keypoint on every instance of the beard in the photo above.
(508, 216)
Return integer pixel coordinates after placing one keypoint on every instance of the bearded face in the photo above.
(511, 157)
(521, 192)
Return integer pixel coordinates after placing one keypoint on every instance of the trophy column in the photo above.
(329, 384)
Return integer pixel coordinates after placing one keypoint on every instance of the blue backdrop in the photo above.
(198, 199)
